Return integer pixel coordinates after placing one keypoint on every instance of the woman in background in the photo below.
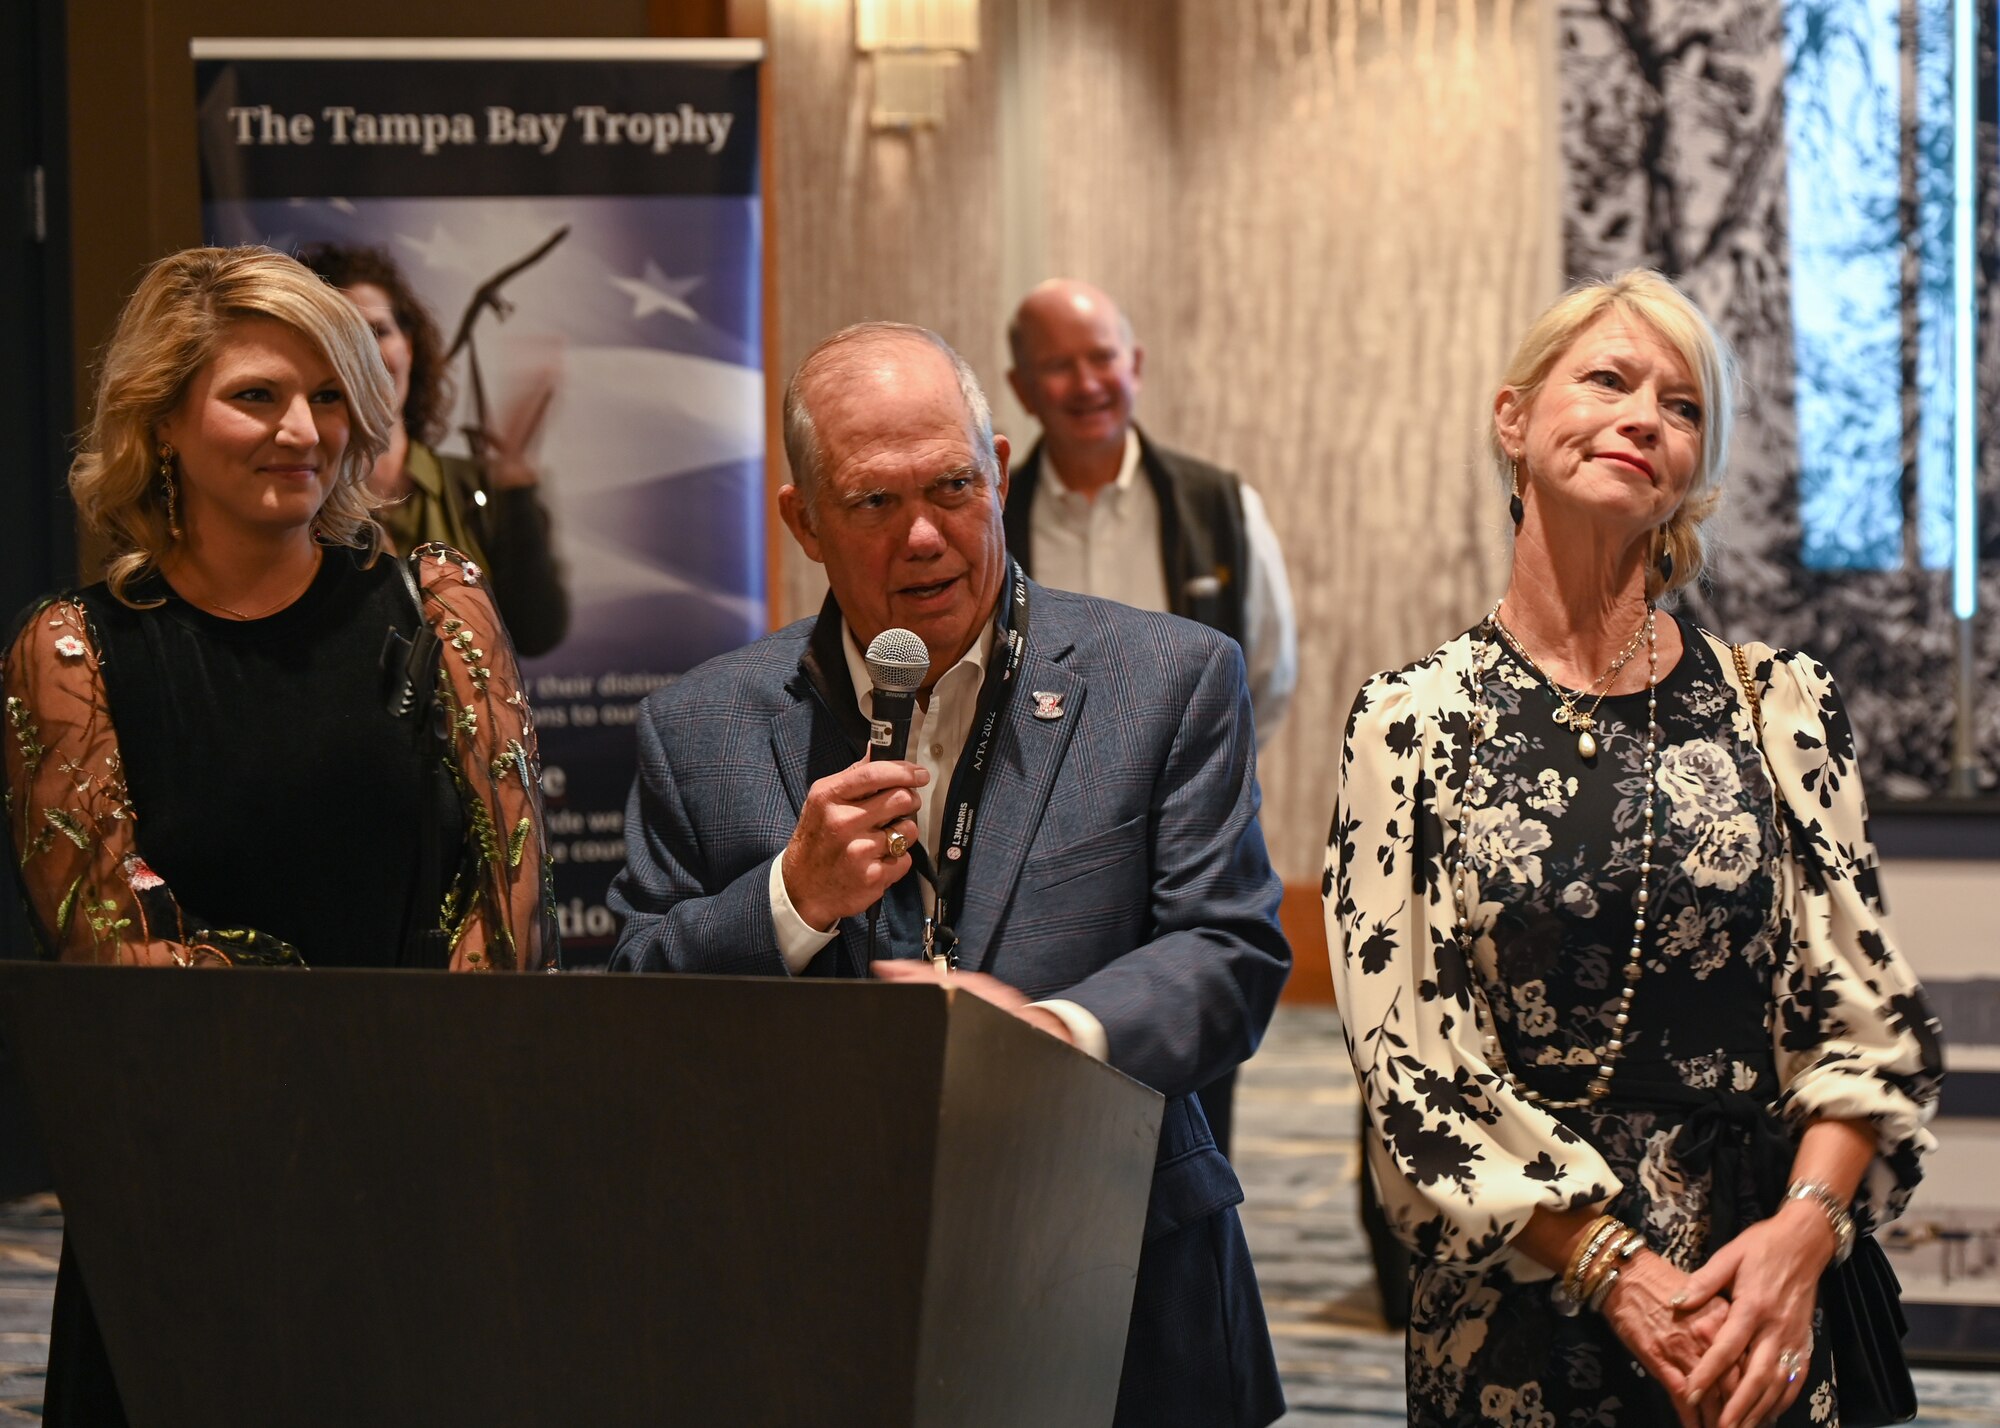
(240, 747)
(1637, 1056)
(488, 508)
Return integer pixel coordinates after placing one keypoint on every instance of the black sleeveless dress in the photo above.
(274, 791)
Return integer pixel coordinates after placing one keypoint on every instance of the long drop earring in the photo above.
(1514, 506)
(172, 488)
(1666, 560)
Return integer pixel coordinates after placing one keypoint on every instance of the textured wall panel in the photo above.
(1111, 171)
(899, 226)
(1365, 194)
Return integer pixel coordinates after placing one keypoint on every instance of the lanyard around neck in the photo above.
(948, 871)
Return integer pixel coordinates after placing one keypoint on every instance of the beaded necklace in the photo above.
(1482, 718)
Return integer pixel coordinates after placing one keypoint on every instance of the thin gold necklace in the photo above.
(213, 604)
(1583, 721)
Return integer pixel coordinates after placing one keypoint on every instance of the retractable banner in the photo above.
(583, 222)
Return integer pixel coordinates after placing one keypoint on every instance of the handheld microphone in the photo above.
(897, 663)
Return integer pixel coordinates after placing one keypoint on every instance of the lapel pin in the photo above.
(1047, 705)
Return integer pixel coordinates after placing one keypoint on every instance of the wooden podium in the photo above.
(341, 1198)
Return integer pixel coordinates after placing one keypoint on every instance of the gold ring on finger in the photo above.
(898, 845)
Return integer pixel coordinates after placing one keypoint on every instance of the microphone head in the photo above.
(898, 661)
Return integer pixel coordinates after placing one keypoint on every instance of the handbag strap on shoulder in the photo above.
(1749, 689)
(415, 591)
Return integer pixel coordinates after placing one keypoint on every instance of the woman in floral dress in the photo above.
(224, 753)
(1607, 937)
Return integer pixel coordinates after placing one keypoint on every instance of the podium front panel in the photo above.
(334, 1198)
(1029, 1290)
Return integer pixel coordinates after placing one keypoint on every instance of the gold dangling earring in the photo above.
(1665, 563)
(1514, 506)
(172, 487)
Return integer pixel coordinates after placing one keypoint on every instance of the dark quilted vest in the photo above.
(1202, 546)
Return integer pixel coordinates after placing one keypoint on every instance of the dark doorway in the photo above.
(37, 533)
(37, 409)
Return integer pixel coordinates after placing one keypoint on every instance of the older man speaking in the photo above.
(1112, 889)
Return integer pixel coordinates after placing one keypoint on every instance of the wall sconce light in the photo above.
(913, 45)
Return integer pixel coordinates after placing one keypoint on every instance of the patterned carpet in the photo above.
(1295, 1146)
(30, 1238)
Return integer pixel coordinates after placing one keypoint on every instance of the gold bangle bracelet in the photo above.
(1599, 1230)
(1595, 1283)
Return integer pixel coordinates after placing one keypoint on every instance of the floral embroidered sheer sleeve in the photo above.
(506, 917)
(71, 819)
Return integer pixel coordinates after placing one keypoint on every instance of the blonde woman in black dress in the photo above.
(225, 752)
(1636, 1051)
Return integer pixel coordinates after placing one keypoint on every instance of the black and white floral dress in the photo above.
(1769, 997)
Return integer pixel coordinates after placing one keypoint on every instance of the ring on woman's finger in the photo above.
(898, 845)
(1792, 1361)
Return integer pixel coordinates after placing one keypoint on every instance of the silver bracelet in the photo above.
(1633, 1243)
(1630, 1242)
(1566, 1301)
(1838, 1217)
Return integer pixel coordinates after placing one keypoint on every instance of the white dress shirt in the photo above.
(1109, 546)
(1106, 545)
(939, 728)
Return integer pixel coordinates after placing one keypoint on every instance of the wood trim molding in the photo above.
(688, 19)
(1305, 928)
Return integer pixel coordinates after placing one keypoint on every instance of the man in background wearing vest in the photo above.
(1126, 519)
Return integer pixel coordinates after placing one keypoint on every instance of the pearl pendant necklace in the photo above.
(1607, 1055)
(1567, 714)
(1584, 724)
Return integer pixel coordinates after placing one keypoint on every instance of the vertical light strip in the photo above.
(1843, 172)
(1931, 154)
(1965, 413)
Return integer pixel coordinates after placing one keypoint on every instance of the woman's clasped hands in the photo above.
(1731, 1342)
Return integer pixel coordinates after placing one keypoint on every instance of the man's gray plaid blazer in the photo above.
(1117, 863)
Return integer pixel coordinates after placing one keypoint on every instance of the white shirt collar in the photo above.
(1128, 472)
(864, 686)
